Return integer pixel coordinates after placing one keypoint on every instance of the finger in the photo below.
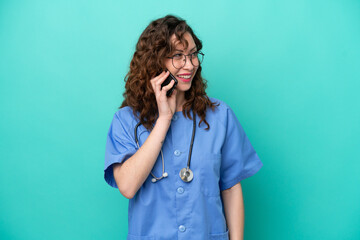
(169, 86)
(157, 77)
(154, 82)
(161, 80)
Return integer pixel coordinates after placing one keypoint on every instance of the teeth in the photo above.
(185, 76)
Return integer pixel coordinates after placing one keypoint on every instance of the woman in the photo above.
(179, 159)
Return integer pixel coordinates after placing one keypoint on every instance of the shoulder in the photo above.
(125, 117)
(222, 106)
(125, 112)
(221, 112)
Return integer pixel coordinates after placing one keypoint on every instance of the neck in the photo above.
(180, 100)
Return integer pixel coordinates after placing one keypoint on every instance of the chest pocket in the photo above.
(210, 174)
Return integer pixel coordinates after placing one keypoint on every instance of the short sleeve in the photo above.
(120, 145)
(239, 159)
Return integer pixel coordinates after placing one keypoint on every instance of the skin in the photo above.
(131, 174)
(234, 211)
(188, 68)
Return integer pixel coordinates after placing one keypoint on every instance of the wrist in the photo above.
(165, 118)
(162, 125)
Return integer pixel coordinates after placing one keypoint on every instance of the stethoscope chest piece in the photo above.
(186, 175)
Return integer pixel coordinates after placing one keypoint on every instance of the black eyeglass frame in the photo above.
(189, 55)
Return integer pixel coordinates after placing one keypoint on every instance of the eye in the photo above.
(194, 54)
(178, 56)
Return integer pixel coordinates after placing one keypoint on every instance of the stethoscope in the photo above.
(185, 174)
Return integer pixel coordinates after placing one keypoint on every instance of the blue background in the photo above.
(289, 70)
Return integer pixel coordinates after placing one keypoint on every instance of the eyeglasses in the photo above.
(179, 59)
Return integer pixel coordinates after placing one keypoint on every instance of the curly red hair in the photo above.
(148, 61)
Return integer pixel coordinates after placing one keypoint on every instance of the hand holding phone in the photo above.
(167, 81)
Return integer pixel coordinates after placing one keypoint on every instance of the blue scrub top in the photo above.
(170, 208)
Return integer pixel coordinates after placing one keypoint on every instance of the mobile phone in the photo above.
(167, 81)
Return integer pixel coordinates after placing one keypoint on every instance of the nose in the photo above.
(188, 65)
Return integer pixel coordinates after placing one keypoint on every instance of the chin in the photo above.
(183, 88)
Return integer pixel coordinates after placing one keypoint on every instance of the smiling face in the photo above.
(185, 74)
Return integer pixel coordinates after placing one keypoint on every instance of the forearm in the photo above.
(234, 211)
(130, 175)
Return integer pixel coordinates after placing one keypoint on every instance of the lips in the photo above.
(185, 77)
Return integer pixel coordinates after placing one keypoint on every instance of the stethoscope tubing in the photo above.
(162, 156)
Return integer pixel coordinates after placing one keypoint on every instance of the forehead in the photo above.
(180, 45)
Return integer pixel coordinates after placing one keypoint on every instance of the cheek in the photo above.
(195, 71)
(168, 63)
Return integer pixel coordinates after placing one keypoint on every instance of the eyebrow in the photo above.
(182, 50)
